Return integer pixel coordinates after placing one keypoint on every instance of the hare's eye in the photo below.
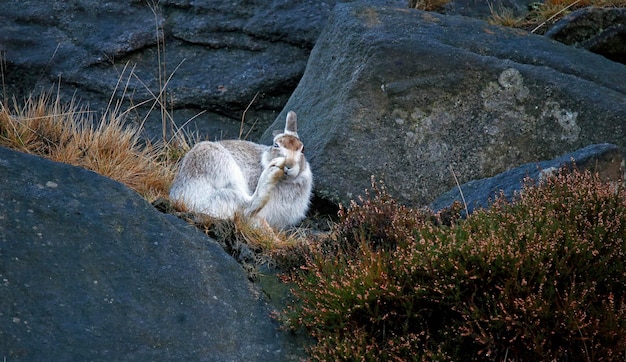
(276, 145)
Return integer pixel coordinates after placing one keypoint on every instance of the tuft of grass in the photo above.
(539, 278)
(505, 17)
(250, 245)
(427, 5)
(553, 10)
(545, 13)
(67, 133)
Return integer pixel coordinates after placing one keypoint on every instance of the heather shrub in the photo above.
(378, 221)
(538, 278)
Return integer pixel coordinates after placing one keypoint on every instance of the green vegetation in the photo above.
(541, 278)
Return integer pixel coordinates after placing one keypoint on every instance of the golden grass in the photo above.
(547, 12)
(252, 246)
(68, 133)
(427, 5)
(505, 17)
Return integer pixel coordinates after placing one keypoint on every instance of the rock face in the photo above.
(214, 57)
(600, 30)
(219, 55)
(605, 159)
(407, 96)
(91, 271)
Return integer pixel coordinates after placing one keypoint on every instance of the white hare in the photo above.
(264, 183)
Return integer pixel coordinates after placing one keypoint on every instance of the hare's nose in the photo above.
(289, 166)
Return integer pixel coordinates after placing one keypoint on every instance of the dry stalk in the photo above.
(554, 16)
(243, 117)
(460, 190)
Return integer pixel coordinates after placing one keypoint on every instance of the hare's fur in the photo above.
(264, 183)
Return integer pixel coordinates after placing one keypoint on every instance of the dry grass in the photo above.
(545, 13)
(252, 246)
(427, 5)
(505, 17)
(553, 10)
(68, 133)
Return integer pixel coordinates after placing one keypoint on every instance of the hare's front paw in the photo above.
(278, 162)
(276, 168)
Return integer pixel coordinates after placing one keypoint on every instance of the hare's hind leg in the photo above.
(210, 181)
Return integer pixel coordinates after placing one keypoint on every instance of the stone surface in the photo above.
(91, 271)
(217, 56)
(407, 95)
(214, 57)
(605, 159)
(600, 30)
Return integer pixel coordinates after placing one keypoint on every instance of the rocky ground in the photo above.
(89, 270)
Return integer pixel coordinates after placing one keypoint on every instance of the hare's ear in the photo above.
(291, 125)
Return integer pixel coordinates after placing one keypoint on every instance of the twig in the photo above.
(582, 337)
(243, 117)
(460, 190)
(181, 128)
(157, 98)
(160, 39)
(554, 16)
(3, 65)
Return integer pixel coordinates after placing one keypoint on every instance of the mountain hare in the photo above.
(217, 178)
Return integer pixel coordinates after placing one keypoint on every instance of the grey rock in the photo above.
(605, 159)
(217, 56)
(90, 271)
(220, 61)
(407, 95)
(600, 30)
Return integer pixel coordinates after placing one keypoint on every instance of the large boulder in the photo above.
(91, 271)
(411, 96)
(214, 57)
(219, 55)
